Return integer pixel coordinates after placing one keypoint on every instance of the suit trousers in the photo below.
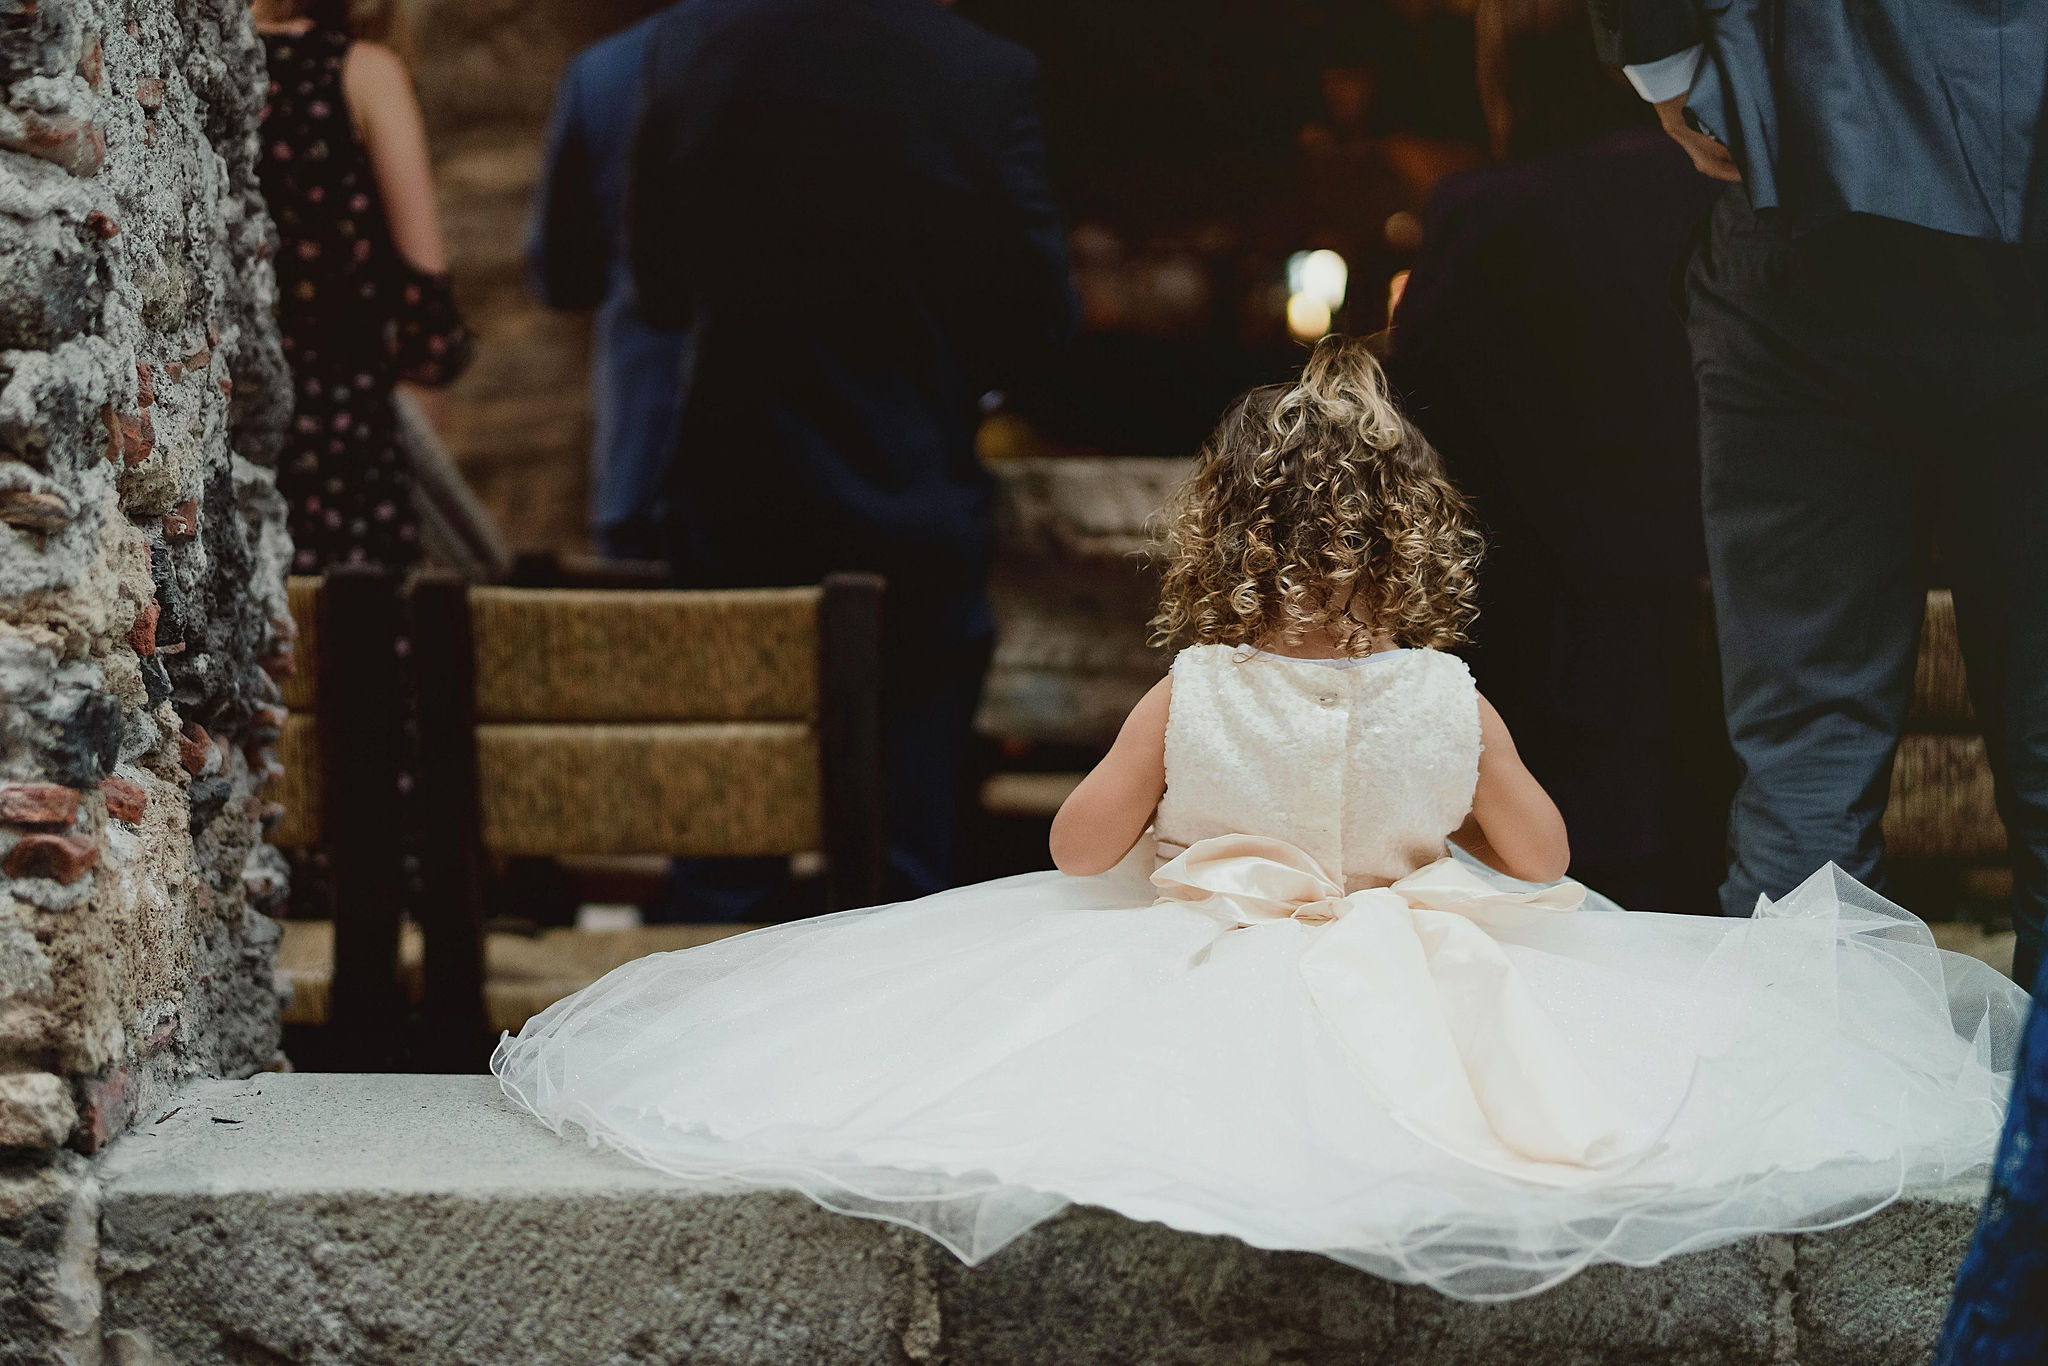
(1873, 414)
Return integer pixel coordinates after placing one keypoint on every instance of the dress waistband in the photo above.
(1166, 851)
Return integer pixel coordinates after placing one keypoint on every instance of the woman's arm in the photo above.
(1103, 817)
(387, 118)
(1514, 827)
(386, 115)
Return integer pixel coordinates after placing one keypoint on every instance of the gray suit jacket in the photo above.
(1926, 111)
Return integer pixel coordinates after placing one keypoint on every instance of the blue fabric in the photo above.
(846, 201)
(1929, 112)
(576, 258)
(2000, 1313)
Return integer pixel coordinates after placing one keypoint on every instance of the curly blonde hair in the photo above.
(1318, 506)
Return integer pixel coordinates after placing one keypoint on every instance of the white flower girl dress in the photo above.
(1296, 1021)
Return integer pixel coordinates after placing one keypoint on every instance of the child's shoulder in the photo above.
(1201, 654)
(1446, 672)
(1444, 661)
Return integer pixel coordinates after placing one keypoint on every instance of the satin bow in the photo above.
(1434, 1015)
(1246, 879)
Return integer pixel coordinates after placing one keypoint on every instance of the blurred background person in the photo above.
(364, 305)
(577, 259)
(1539, 343)
(847, 207)
(363, 297)
(1868, 315)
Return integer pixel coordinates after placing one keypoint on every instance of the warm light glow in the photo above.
(1308, 316)
(1319, 274)
(1403, 231)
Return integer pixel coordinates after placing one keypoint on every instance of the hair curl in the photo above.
(1318, 506)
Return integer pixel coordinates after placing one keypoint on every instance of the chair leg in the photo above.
(850, 737)
(455, 1034)
(362, 733)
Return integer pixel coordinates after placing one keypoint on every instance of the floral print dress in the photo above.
(2000, 1314)
(356, 317)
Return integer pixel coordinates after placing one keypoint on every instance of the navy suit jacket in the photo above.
(846, 203)
(1926, 111)
(576, 258)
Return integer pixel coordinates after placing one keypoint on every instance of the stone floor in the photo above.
(384, 1219)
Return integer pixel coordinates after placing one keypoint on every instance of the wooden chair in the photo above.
(1945, 844)
(1942, 804)
(342, 748)
(562, 721)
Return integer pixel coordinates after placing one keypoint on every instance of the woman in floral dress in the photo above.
(364, 302)
(364, 306)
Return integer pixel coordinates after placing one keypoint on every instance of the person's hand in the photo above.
(1709, 157)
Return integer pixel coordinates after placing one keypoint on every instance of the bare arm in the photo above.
(1103, 817)
(387, 117)
(1514, 827)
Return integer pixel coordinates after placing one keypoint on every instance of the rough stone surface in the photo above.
(329, 1219)
(35, 1110)
(49, 1248)
(141, 549)
(1072, 595)
(1866, 1296)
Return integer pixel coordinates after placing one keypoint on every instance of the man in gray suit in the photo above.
(1868, 313)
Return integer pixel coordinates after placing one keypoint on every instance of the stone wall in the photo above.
(1074, 593)
(141, 597)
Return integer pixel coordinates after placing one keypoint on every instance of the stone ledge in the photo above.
(371, 1219)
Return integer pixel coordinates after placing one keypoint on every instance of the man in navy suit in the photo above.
(845, 203)
(576, 259)
(1868, 314)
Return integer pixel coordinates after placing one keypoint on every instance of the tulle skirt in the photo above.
(971, 1063)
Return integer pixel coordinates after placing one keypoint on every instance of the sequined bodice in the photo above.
(1367, 764)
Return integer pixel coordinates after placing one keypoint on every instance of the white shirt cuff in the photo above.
(1667, 77)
